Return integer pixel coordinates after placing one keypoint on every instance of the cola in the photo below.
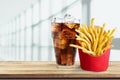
(63, 34)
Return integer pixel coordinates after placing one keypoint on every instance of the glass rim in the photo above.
(62, 20)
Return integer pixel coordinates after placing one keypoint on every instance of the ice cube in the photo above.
(72, 25)
(56, 27)
(63, 58)
(67, 34)
(58, 55)
(70, 55)
(61, 43)
(68, 18)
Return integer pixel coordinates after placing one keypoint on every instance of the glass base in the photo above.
(66, 66)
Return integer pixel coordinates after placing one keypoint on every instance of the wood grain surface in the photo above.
(44, 69)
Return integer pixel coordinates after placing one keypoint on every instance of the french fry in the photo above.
(107, 47)
(92, 22)
(84, 26)
(82, 34)
(96, 41)
(86, 42)
(83, 44)
(87, 34)
(102, 33)
(100, 47)
(85, 50)
(111, 33)
(92, 34)
(103, 28)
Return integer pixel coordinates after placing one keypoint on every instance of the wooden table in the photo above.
(49, 70)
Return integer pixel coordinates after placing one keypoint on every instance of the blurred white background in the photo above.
(25, 25)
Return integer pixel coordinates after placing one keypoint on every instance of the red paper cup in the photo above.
(94, 63)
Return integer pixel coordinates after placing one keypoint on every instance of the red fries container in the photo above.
(94, 63)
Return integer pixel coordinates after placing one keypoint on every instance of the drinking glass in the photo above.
(63, 34)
